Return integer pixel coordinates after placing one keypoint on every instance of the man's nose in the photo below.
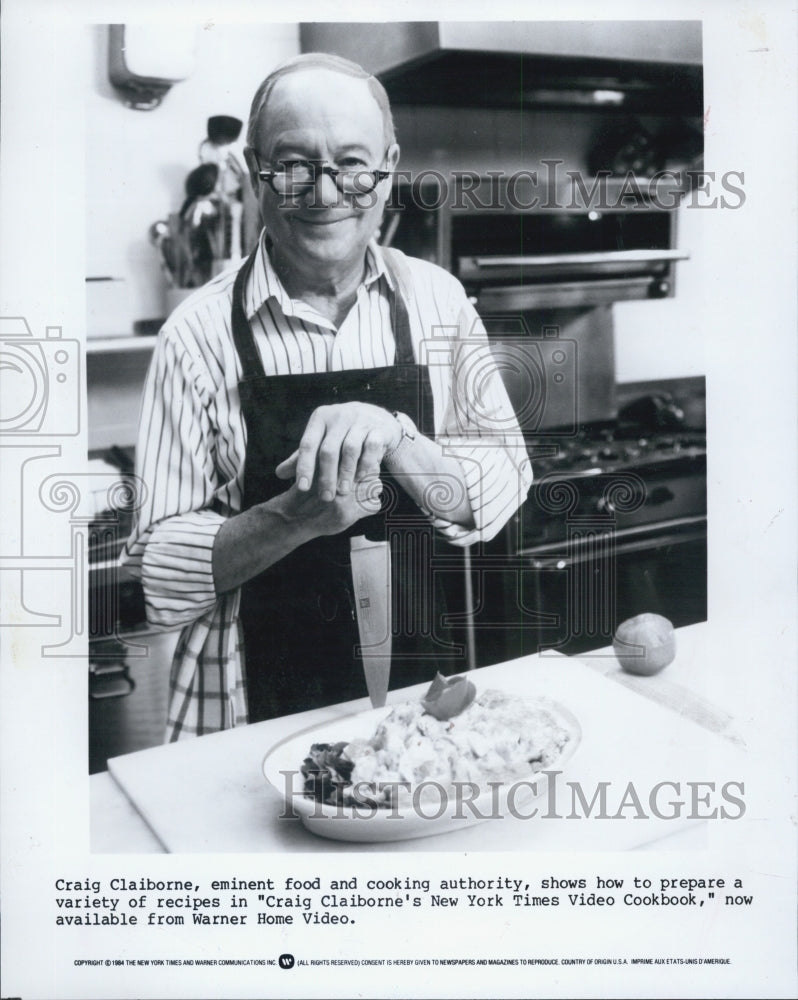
(324, 193)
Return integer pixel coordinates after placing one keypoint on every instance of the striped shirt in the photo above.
(192, 445)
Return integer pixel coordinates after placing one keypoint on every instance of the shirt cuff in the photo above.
(177, 568)
(497, 481)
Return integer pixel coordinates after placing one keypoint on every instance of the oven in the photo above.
(615, 523)
(519, 261)
(523, 242)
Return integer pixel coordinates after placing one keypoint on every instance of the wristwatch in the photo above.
(409, 434)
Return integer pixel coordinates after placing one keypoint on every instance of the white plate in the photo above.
(439, 814)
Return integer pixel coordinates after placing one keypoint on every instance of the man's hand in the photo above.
(255, 539)
(308, 514)
(337, 483)
(342, 445)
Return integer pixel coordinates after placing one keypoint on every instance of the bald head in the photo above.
(314, 61)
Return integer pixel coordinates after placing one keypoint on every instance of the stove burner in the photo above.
(595, 450)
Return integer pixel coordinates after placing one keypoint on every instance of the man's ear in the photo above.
(252, 166)
(393, 156)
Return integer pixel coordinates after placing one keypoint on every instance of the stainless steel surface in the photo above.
(603, 257)
(568, 294)
(625, 540)
(653, 66)
(371, 576)
(558, 367)
(404, 43)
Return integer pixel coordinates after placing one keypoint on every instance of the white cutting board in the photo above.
(209, 794)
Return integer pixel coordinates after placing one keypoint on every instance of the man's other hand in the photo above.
(342, 445)
(313, 516)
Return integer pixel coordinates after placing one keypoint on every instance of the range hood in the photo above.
(645, 67)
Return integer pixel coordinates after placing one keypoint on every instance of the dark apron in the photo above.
(298, 617)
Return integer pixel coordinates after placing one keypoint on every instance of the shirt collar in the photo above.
(263, 283)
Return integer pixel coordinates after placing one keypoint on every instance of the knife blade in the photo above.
(371, 576)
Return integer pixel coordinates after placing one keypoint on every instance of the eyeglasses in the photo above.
(297, 176)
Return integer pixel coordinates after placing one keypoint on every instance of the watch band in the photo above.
(409, 434)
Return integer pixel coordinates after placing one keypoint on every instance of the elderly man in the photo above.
(280, 392)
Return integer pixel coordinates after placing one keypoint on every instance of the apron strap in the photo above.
(244, 338)
(396, 268)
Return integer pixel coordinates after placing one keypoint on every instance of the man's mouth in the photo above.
(321, 222)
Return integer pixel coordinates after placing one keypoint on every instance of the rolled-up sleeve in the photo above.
(171, 546)
(481, 431)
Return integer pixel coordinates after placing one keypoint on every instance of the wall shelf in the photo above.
(119, 345)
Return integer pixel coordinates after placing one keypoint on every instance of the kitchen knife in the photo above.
(371, 576)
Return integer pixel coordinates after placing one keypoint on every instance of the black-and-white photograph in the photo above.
(388, 422)
(382, 542)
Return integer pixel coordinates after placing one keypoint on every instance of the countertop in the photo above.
(148, 801)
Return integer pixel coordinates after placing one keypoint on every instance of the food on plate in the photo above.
(645, 644)
(448, 696)
(496, 737)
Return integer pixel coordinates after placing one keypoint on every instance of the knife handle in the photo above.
(358, 542)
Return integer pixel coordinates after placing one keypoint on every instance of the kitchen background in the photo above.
(136, 167)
